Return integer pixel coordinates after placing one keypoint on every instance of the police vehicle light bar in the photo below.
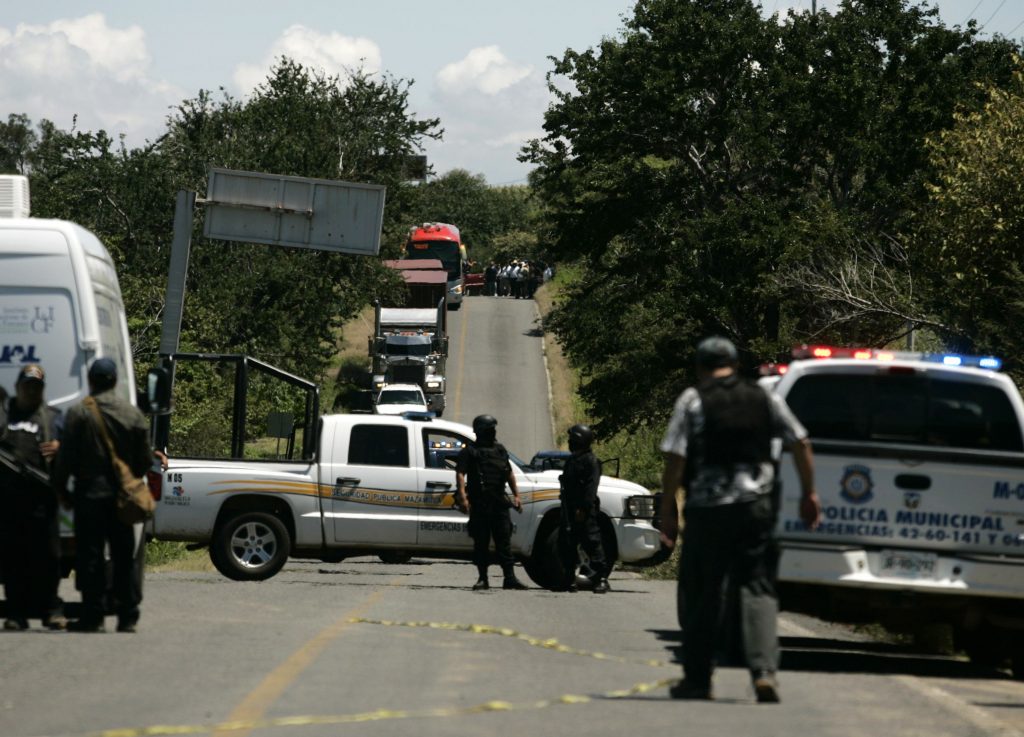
(946, 359)
(772, 369)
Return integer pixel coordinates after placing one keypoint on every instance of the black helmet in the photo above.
(580, 438)
(716, 352)
(483, 423)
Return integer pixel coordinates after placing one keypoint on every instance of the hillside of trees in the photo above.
(845, 177)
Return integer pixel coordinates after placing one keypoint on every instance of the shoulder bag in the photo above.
(135, 503)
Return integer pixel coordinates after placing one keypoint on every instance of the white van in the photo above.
(60, 307)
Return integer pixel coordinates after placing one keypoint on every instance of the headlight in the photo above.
(640, 507)
(457, 289)
(433, 384)
(379, 384)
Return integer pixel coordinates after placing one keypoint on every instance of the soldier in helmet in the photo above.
(579, 480)
(483, 469)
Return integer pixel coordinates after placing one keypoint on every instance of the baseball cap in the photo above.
(103, 368)
(716, 352)
(31, 372)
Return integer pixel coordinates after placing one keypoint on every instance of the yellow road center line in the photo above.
(462, 366)
(255, 705)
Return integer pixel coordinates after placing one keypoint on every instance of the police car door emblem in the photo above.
(912, 500)
(856, 485)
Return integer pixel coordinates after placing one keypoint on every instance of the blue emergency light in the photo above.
(990, 363)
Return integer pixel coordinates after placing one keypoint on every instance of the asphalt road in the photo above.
(365, 648)
(496, 366)
(361, 647)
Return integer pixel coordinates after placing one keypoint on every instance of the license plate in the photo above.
(908, 565)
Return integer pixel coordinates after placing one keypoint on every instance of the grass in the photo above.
(566, 409)
(351, 377)
(163, 555)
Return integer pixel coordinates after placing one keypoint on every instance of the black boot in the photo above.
(601, 586)
(511, 582)
(481, 584)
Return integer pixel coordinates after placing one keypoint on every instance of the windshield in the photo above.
(400, 396)
(907, 408)
(414, 349)
(446, 251)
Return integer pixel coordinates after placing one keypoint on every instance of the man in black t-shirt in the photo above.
(482, 470)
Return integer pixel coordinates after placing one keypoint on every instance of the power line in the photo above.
(1000, 7)
(971, 14)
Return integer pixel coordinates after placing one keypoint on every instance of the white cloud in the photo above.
(489, 107)
(484, 69)
(119, 51)
(331, 52)
(84, 67)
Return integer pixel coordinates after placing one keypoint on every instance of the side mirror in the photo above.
(158, 391)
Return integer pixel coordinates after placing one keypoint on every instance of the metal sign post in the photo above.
(252, 207)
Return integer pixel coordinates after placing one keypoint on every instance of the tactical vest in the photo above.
(23, 436)
(737, 423)
(491, 470)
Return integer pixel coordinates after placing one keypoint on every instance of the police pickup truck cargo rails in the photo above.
(373, 484)
(920, 470)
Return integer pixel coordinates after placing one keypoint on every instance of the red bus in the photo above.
(441, 241)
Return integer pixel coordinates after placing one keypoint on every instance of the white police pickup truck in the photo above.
(374, 484)
(920, 469)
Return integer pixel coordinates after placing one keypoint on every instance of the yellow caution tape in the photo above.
(484, 629)
(380, 715)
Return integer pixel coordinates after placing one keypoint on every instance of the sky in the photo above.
(479, 65)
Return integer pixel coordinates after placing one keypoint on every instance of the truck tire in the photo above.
(984, 649)
(545, 567)
(252, 546)
(395, 557)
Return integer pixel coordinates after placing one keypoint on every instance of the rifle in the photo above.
(26, 471)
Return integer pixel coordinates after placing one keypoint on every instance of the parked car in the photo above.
(549, 460)
(396, 399)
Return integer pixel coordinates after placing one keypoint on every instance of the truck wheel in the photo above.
(395, 557)
(252, 546)
(545, 565)
(984, 650)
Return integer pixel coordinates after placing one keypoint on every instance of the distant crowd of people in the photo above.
(517, 279)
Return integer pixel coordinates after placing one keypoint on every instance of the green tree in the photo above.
(281, 305)
(698, 160)
(970, 230)
(17, 140)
